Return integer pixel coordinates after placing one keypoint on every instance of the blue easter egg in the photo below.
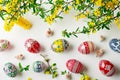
(38, 66)
(115, 45)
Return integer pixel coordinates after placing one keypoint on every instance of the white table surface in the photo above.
(17, 37)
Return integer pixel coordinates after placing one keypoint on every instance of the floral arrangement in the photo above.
(100, 13)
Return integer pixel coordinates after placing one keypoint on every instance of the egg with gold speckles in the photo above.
(10, 69)
(60, 45)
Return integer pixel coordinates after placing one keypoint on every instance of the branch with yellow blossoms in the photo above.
(100, 13)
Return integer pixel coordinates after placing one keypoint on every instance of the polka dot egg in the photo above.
(38, 66)
(60, 45)
(10, 70)
(86, 47)
(32, 46)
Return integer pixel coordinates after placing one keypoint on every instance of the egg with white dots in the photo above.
(60, 45)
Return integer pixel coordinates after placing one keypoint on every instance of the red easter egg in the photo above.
(32, 46)
(106, 67)
(74, 66)
(86, 47)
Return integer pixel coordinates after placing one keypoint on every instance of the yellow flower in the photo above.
(8, 25)
(24, 23)
(85, 77)
(77, 1)
(1, 8)
(47, 72)
(91, 23)
(0, 1)
(97, 12)
(29, 78)
(49, 19)
(99, 3)
(79, 16)
(116, 2)
(109, 5)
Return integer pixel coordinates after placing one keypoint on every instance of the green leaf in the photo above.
(20, 66)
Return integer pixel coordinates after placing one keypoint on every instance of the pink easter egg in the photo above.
(106, 67)
(32, 46)
(4, 44)
(86, 47)
(74, 66)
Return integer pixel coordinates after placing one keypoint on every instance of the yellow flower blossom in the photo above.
(85, 77)
(8, 25)
(49, 19)
(0, 1)
(91, 23)
(29, 78)
(109, 5)
(115, 2)
(99, 3)
(1, 8)
(77, 1)
(24, 23)
(67, 11)
(97, 12)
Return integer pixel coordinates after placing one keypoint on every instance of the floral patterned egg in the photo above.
(86, 47)
(60, 45)
(74, 66)
(38, 66)
(32, 46)
(106, 67)
(115, 45)
(4, 44)
(10, 69)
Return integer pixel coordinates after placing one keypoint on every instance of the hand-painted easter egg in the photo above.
(32, 46)
(106, 67)
(86, 47)
(10, 69)
(115, 45)
(4, 44)
(38, 66)
(60, 45)
(74, 66)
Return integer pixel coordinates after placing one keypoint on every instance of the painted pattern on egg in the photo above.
(60, 45)
(115, 45)
(4, 44)
(32, 46)
(10, 70)
(106, 67)
(38, 66)
(74, 66)
(86, 47)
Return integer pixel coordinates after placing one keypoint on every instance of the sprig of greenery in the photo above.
(51, 69)
(26, 68)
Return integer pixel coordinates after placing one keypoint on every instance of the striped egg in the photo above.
(107, 68)
(32, 46)
(86, 47)
(10, 69)
(4, 44)
(74, 66)
(60, 45)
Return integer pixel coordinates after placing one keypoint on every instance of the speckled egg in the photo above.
(115, 45)
(32, 46)
(74, 66)
(86, 47)
(38, 66)
(106, 67)
(60, 45)
(4, 44)
(10, 70)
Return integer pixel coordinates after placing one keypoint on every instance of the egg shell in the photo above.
(4, 44)
(32, 46)
(38, 66)
(86, 47)
(10, 69)
(115, 45)
(74, 66)
(106, 67)
(60, 45)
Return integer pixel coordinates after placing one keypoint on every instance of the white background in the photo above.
(18, 35)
